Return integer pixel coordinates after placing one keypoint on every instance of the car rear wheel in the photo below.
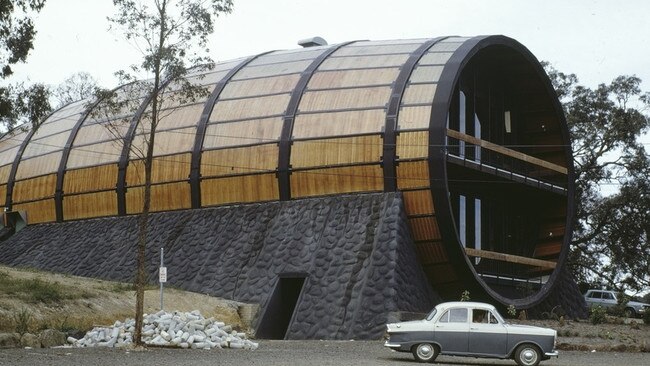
(425, 352)
(528, 355)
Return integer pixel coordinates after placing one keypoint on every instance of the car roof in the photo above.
(465, 304)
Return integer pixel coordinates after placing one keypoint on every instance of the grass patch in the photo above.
(39, 291)
(120, 287)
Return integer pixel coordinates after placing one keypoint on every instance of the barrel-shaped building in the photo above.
(468, 130)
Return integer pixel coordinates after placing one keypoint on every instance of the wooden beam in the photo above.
(510, 258)
(505, 151)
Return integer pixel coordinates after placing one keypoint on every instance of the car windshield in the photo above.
(431, 314)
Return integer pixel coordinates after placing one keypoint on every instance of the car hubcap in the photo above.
(529, 356)
(425, 351)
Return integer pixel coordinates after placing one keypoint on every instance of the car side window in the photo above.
(444, 318)
(595, 295)
(484, 316)
(431, 314)
(493, 319)
(458, 316)
(479, 316)
(454, 316)
(607, 296)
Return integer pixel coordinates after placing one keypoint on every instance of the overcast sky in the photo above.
(596, 39)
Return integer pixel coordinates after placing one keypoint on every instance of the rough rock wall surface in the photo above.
(565, 299)
(356, 253)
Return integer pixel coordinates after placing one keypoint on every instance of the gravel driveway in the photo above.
(270, 353)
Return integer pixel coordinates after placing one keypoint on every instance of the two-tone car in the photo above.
(609, 299)
(471, 329)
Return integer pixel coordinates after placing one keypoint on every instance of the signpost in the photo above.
(162, 276)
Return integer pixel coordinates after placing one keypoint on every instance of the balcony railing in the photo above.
(507, 163)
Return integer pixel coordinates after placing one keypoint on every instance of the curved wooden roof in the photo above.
(361, 116)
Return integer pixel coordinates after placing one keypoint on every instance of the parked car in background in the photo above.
(471, 329)
(609, 299)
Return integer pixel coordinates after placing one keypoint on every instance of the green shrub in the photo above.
(464, 296)
(598, 315)
(619, 309)
(22, 321)
(646, 318)
(512, 311)
(41, 291)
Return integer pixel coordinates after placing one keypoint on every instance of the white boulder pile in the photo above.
(177, 329)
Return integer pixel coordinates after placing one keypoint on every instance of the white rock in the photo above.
(165, 335)
(148, 333)
(183, 330)
(185, 336)
(198, 338)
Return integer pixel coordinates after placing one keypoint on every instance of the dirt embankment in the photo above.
(51, 300)
(617, 335)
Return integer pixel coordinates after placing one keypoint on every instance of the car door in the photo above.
(452, 331)
(608, 300)
(487, 336)
(594, 298)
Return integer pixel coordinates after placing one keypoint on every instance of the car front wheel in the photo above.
(425, 352)
(528, 355)
(629, 313)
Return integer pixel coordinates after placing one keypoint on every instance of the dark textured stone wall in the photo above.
(356, 251)
(564, 299)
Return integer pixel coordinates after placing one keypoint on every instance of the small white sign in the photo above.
(162, 275)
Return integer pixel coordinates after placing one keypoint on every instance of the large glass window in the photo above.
(454, 316)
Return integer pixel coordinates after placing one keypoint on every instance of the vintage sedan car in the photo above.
(609, 299)
(471, 329)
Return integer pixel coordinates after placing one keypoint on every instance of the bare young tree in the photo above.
(78, 86)
(172, 36)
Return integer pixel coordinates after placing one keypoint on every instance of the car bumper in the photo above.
(394, 346)
(552, 354)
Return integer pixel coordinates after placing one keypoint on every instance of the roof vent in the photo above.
(312, 42)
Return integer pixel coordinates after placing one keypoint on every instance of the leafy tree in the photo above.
(78, 86)
(20, 105)
(33, 103)
(172, 36)
(16, 40)
(16, 32)
(610, 243)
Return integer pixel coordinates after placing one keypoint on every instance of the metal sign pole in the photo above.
(162, 276)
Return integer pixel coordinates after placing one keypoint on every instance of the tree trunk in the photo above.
(141, 277)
